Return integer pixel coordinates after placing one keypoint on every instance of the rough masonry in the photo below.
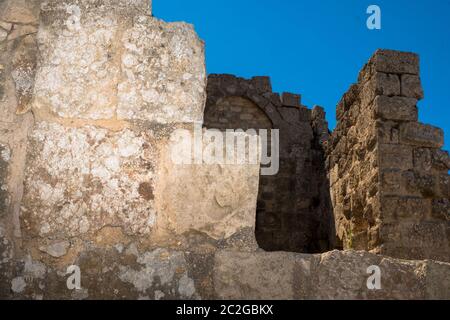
(293, 210)
(389, 177)
(91, 95)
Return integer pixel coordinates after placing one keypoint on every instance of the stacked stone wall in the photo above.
(389, 177)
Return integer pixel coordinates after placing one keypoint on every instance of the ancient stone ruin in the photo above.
(92, 93)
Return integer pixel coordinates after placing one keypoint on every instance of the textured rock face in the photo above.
(334, 275)
(93, 179)
(123, 63)
(87, 181)
(91, 182)
(389, 178)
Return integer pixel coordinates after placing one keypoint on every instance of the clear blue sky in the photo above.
(317, 48)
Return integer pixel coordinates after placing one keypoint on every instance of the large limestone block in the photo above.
(163, 73)
(115, 61)
(20, 11)
(218, 200)
(396, 108)
(261, 276)
(79, 180)
(421, 135)
(344, 275)
(333, 275)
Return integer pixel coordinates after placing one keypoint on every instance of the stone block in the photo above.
(390, 61)
(20, 11)
(79, 180)
(318, 113)
(118, 62)
(421, 135)
(422, 159)
(395, 208)
(440, 160)
(437, 280)
(429, 236)
(170, 85)
(305, 115)
(387, 132)
(441, 209)
(291, 100)
(262, 84)
(392, 182)
(343, 276)
(394, 156)
(386, 84)
(412, 86)
(422, 183)
(221, 202)
(260, 276)
(396, 108)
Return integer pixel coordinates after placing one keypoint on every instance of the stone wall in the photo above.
(91, 95)
(293, 211)
(88, 173)
(390, 182)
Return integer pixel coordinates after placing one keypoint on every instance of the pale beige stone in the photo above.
(111, 62)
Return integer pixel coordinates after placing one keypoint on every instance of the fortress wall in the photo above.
(293, 211)
(87, 178)
(389, 177)
(91, 99)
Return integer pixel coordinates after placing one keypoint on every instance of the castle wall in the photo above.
(89, 173)
(389, 178)
(87, 178)
(293, 211)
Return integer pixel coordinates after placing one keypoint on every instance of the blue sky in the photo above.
(317, 48)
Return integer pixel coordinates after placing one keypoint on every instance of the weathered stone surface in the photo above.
(79, 180)
(101, 192)
(20, 11)
(397, 209)
(412, 86)
(3, 35)
(161, 272)
(5, 156)
(421, 135)
(291, 99)
(404, 208)
(221, 201)
(390, 61)
(57, 249)
(334, 275)
(169, 87)
(114, 61)
(394, 156)
(396, 108)
(429, 236)
(383, 84)
(262, 84)
(17, 56)
(257, 276)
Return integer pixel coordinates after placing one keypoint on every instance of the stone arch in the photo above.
(236, 112)
(291, 204)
